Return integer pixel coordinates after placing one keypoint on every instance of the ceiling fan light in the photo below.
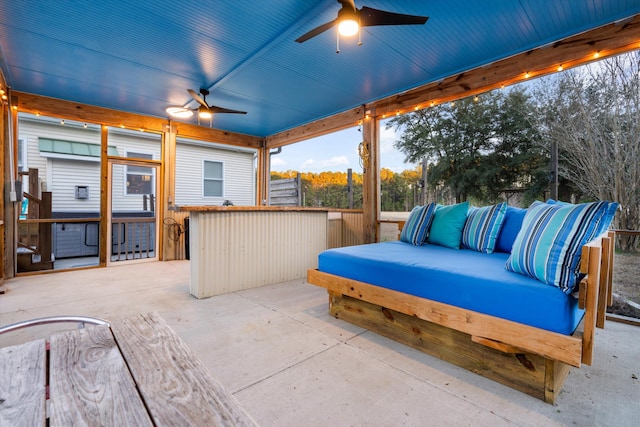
(179, 112)
(204, 113)
(348, 22)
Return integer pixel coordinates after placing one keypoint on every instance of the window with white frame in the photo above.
(212, 179)
(139, 179)
(22, 155)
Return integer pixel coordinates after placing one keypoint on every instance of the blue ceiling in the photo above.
(141, 55)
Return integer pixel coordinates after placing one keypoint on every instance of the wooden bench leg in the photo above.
(530, 373)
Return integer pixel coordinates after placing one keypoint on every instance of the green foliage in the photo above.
(478, 148)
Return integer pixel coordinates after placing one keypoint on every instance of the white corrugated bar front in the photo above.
(236, 250)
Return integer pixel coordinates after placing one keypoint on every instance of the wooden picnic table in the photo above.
(135, 372)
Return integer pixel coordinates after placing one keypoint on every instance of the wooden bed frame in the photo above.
(532, 360)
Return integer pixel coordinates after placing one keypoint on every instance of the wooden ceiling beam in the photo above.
(608, 40)
(68, 110)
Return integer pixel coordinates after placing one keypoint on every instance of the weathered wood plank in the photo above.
(89, 382)
(530, 373)
(565, 348)
(22, 389)
(177, 388)
(603, 288)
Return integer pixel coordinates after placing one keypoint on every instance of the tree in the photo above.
(477, 147)
(593, 113)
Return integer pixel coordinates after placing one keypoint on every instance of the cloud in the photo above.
(278, 162)
(387, 138)
(312, 164)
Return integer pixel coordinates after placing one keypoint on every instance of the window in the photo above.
(212, 185)
(22, 155)
(139, 178)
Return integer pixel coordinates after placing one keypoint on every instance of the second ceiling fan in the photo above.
(350, 19)
(205, 110)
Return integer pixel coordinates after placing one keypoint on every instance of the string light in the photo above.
(560, 68)
(433, 103)
(476, 98)
(453, 104)
(527, 75)
(84, 125)
(62, 122)
(596, 54)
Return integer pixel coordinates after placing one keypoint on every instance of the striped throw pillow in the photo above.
(482, 227)
(549, 244)
(417, 226)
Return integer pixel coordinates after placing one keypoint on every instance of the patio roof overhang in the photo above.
(122, 63)
(123, 57)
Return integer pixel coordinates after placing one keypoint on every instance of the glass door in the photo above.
(132, 206)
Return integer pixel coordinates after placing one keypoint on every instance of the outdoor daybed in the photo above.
(511, 294)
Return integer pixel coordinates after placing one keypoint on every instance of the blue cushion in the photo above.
(467, 279)
(446, 229)
(482, 227)
(416, 228)
(510, 228)
(549, 244)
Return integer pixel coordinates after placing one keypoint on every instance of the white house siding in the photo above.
(67, 174)
(62, 175)
(238, 170)
(30, 130)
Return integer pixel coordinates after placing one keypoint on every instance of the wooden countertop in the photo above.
(247, 209)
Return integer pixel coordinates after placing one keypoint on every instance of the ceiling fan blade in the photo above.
(370, 17)
(316, 31)
(195, 96)
(218, 110)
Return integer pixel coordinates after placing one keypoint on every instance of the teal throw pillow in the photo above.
(446, 228)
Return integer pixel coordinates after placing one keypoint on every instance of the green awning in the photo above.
(73, 148)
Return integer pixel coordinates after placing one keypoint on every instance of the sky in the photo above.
(337, 152)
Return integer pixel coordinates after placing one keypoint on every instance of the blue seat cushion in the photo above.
(464, 278)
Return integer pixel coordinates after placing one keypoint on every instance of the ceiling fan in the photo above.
(350, 19)
(205, 111)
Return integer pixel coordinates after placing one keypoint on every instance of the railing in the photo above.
(133, 238)
(345, 228)
(626, 279)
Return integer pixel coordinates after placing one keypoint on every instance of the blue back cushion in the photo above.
(416, 228)
(510, 228)
(549, 244)
(446, 229)
(482, 227)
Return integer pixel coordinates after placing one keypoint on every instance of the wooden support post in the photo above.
(371, 181)
(263, 176)
(44, 228)
(168, 248)
(104, 239)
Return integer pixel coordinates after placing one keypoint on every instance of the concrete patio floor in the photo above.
(291, 364)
